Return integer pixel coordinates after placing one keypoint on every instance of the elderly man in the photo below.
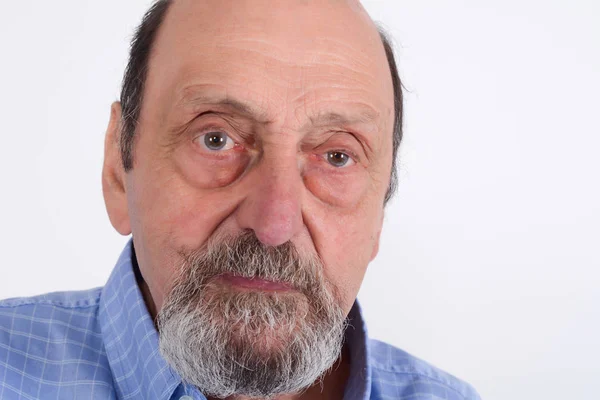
(250, 157)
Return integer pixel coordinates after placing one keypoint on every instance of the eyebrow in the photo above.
(364, 116)
(194, 99)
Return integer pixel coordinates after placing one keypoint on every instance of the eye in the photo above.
(339, 159)
(215, 141)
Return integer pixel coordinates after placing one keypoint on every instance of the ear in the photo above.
(113, 175)
(377, 236)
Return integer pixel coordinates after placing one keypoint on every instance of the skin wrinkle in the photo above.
(364, 117)
(317, 58)
(363, 131)
(199, 94)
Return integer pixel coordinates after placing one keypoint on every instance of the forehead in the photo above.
(287, 57)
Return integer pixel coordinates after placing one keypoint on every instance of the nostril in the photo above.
(271, 239)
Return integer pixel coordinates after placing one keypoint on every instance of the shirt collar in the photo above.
(131, 341)
(358, 386)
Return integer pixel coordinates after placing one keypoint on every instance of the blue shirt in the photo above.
(102, 344)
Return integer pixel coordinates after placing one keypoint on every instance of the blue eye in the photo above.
(216, 141)
(339, 159)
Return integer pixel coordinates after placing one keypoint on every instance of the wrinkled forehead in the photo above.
(277, 51)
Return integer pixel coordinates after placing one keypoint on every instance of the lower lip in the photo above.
(254, 283)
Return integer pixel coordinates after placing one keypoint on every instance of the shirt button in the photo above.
(186, 398)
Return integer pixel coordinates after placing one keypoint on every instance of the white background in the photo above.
(490, 261)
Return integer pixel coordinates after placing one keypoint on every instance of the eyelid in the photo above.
(214, 121)
(342, 149)
(211, 128)
(343, 141)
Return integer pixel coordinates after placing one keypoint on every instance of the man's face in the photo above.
(269, 117)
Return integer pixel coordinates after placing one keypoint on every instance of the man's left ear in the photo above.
(113, 175)
(376, 238)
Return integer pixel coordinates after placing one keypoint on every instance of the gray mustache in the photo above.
(245, 256)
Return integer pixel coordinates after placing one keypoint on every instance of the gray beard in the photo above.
(244, 342)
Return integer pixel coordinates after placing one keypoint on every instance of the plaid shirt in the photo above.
(102, 344)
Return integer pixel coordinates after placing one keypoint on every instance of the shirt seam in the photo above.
(83, 303)
(48, 303)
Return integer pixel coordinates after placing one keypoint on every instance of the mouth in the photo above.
(254, 283)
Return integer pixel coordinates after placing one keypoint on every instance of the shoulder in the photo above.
(50, 316)
(397, 374)
(51, 345)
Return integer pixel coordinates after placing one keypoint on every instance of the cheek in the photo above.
(186, 200)
(188, 217)
(210, 172)
(345, 240)
(343, 188)
(172, 211)
(171, 216)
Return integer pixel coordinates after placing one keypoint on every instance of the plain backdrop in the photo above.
(490, 258)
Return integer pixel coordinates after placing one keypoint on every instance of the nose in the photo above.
(273, 208)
